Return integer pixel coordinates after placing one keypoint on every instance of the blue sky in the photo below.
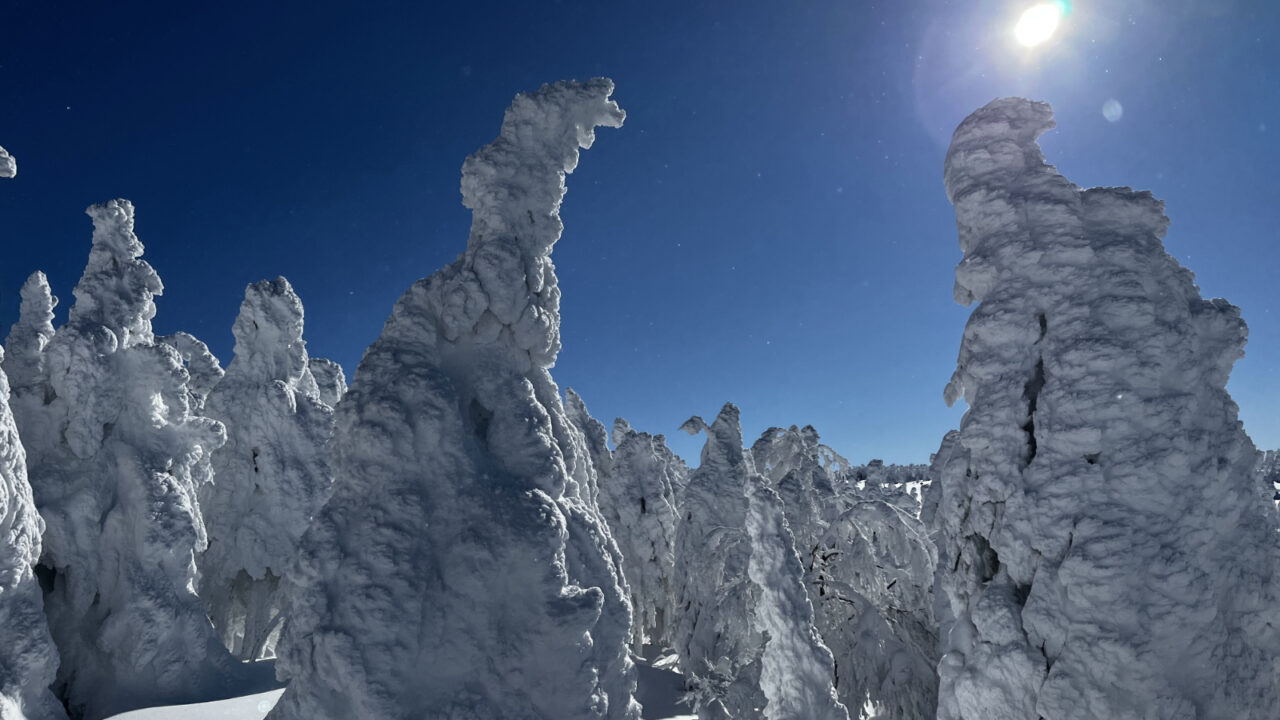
(769, 227)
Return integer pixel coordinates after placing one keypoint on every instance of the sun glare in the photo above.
(1037, 24)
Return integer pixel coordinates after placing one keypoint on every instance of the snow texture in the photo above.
(115, 457)
(28, 659)
(25, 344)
(1106, 549)
(331, 381)
(638, 502)
(868, 567)
(8, 164)
(438, 581)
(796, 672)
(203, 369)
(273, 474)
(714, 632)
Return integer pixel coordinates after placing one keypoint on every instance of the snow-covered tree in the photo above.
(330, 380)
(638, 502)
(115, 467)
(24, 359)
(868, 570)
(203, 369)
(796, 668)
(8, 164)
(1105, 547)
(438, 581)
(714, 632)
(273, 474)
(28, 659)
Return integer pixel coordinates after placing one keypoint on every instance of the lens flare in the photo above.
(1038, 23)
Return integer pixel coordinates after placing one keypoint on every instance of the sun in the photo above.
(1038, 23)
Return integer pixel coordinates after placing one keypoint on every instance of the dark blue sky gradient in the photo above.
(769, 227)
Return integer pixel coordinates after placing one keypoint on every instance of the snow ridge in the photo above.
(1105, 547)
(438, 581)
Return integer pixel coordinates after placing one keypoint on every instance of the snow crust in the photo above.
(116, 457)
(458, 570)
(8, 164)
(272, 475)
(1105, 549)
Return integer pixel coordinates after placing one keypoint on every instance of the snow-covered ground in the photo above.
(659, 691)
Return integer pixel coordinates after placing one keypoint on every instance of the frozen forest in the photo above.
(453, 536)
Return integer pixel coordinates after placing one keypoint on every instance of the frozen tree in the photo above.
(115, 468)
(203, 369)
(330, 380)
(595, 439)
(638, 502)
(868, 567)
(1105, 547)
(8, 164)
(796, 669)
(28, 660)
(714, 632)
(438, 581)
(273, 474)
(24, 359)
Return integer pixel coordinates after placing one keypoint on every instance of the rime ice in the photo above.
(457, 570)
(1105, 549)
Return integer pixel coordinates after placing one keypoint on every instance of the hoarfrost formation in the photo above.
(116, 457)
(1106, 549)
(273, 474)
(436, 582)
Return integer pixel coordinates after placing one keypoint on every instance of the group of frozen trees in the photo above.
(449, 538)
(107, 426)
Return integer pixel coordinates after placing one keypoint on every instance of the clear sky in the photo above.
(769, 227)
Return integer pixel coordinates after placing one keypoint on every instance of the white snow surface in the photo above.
(115, 457)
(8, 164)
(1106, 549)
(439, 579)
(28, 659)
(272, 475)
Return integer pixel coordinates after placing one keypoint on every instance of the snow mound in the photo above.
(1106, 549)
